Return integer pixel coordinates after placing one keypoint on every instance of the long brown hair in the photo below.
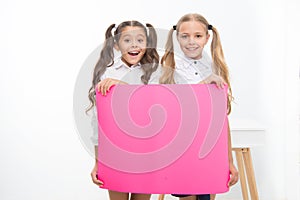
(149, 61)
(219, 64)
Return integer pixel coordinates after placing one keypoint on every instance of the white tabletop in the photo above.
(246, 133)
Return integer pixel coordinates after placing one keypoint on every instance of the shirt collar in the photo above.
(190, 60)
(187, 62)
(120, 64)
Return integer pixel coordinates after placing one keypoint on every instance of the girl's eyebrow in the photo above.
(126, 34)
(129, 35)
(141, 35)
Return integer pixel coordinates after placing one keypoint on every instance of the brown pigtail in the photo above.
(151, 58)
(168, 61)
(106, 60)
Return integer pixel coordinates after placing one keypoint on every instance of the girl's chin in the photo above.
(193, 55)
(132, 60)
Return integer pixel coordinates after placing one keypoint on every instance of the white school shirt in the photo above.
(192, 71)
(131, 75)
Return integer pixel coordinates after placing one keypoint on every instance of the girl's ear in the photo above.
(116, 46)
(207, 38)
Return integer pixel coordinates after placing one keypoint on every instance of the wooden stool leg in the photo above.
(241, 168)
(161, 197)
(250, 175)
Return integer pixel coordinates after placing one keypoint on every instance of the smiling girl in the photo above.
(195, 66)
(138, 60)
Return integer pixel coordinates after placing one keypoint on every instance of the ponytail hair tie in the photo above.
(209, 27)
(174, 27)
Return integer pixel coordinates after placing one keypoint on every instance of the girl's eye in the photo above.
(198, 36)
(140, 40)
(126, 40)
(183, 36)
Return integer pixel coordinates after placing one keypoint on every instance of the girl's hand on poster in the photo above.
(234, 175)
(95, 176)
(104, 85)
(213, 78)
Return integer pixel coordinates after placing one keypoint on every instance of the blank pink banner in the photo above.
(163, 139)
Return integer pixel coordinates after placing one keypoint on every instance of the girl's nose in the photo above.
(134, 43)
(191, 40)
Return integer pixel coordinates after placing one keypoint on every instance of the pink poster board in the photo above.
(163, 139)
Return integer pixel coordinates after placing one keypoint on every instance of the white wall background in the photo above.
(44, 43)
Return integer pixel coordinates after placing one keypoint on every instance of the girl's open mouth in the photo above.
(134, 53)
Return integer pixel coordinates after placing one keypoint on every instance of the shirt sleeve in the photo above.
(94, 120)
(94, 124)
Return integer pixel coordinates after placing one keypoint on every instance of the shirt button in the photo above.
(196, 73)
(195, 62)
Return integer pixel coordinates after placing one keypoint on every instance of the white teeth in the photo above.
(191, 48)
(133, 53)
